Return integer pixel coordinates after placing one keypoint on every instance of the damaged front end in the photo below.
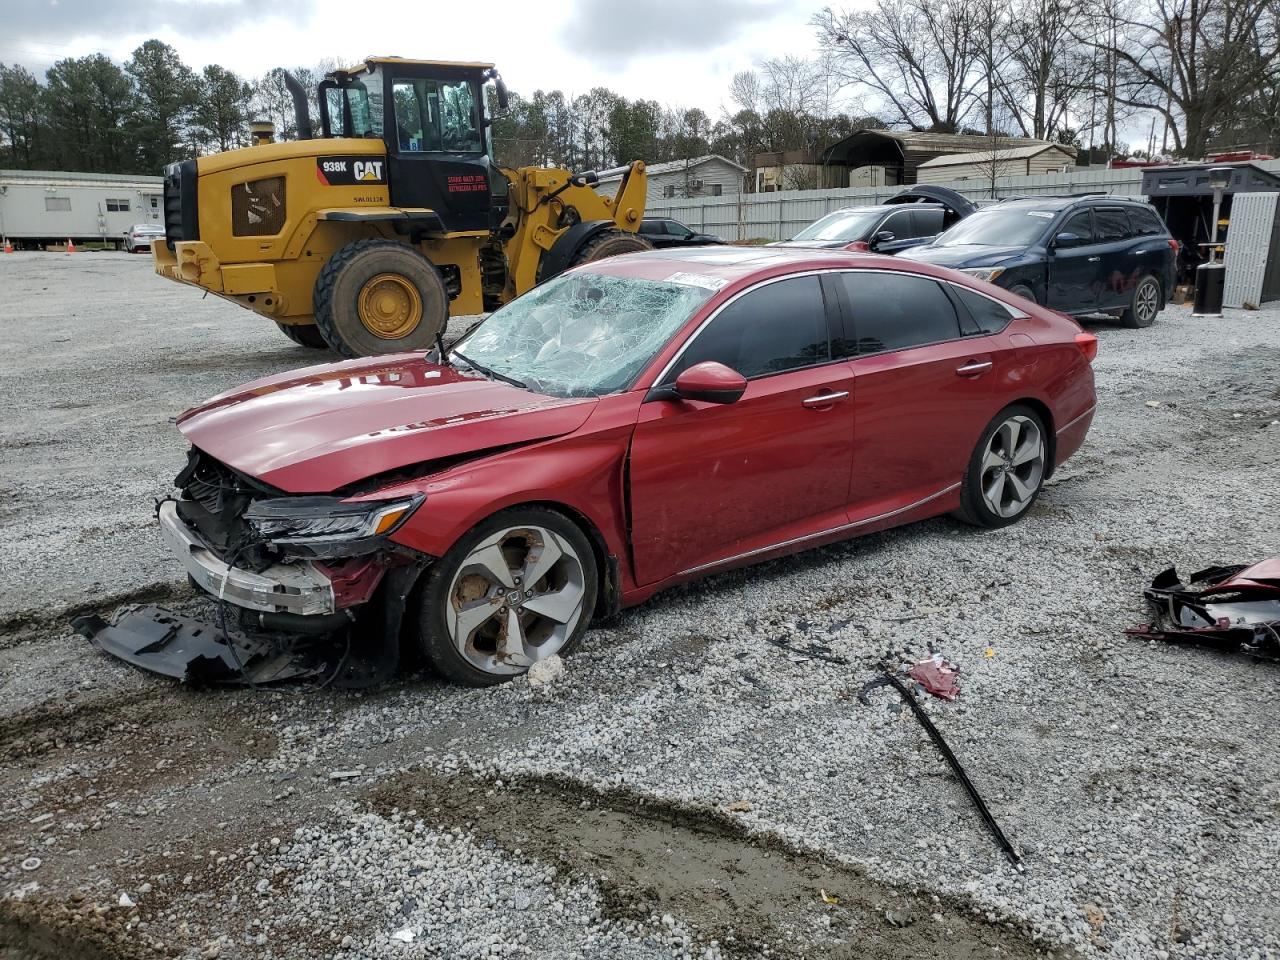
(1233, 608)
(304, 586)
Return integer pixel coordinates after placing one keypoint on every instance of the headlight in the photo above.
(313, 523)
(988, 274)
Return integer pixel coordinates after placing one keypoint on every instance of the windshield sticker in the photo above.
(1042, 214)
(697, 280)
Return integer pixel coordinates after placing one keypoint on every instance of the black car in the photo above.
(665, 232)
(1080, 255)
(907, 219)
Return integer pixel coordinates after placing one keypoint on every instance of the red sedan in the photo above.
(629, 425)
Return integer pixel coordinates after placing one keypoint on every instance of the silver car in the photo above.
(138, 237)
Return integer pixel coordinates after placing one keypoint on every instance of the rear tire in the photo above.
(304, 335)
(609, 243)
(527, 566)
(379, 296)
(1144, 304)
(1007, 469)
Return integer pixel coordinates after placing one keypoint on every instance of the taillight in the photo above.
(1088, 345)
(1173, 245)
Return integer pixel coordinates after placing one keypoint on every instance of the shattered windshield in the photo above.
(584, 334)
(841, 225)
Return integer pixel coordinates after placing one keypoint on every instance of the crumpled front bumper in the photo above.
(296, 587)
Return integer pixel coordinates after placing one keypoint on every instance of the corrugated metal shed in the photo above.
(906, 150)
(1023, 161)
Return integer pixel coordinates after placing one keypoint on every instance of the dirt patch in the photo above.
(745, 891)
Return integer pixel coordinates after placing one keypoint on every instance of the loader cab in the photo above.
(431, 117)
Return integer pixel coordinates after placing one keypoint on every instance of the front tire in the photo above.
(1007, 469)
(1144, 304)
(379, 296)
(1022, 290)
(516, 588)
(304, 335)
(609, 243)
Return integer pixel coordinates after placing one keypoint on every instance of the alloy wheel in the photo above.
(1013, 466)
(516, 599)
(1146, 303)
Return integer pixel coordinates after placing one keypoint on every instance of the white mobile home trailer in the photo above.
(42, 207)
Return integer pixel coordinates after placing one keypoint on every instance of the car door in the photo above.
(678, 232)
(899, 223)
(1075, 271)
(1119, 268)
(712, 481)
(923, 390)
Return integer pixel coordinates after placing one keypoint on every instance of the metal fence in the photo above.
(778, 216)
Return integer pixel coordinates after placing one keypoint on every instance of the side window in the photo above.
(1112, 224)
(433, 115)
(651, 228)
(678, 229)
(990, 315)
(781, 326)
(899, 224)
(1081, 224)
(927, 223)
(1145, 221)
(892, 311)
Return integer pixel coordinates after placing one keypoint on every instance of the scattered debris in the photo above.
(829, 899)
(345, 774)
(739, 806)
(1228, 607)
(904, 691)
(546, 672)
(126, 901)
(404, 935)
(1153, 403)
(989, 653)
(1094, 916)
(810, 651)
(31, 863)
(937, 676)
(42, 818)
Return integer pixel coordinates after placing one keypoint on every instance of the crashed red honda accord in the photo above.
(629, 425)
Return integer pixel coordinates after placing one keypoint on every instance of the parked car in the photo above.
(665, 232)
(631, 424)
(1080, 255)
(137, 239)
(908, 219)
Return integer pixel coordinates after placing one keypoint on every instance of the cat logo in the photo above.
(349, 171)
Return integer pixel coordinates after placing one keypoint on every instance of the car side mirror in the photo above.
(881, 236)
(710, 382)
(1064, 240)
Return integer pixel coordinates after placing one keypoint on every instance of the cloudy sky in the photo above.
(679, 52)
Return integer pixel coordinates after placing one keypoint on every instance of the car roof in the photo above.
(1058, 202)
(887, 208)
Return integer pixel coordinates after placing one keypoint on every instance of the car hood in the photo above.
(320, 428)
(963, 255)
(812, 244)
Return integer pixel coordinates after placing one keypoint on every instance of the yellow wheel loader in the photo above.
(367, 236)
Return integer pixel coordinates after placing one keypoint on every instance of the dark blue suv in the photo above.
(1075, 254)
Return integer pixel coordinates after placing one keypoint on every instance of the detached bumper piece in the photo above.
(1234, 608)
(193, 651)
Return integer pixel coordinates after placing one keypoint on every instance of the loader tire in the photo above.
(304, 335)
(379, 296)
(609, 243)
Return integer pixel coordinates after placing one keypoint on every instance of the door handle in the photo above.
(1094, 259)
(974, 368)
(824, 399)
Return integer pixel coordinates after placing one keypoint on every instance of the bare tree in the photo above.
(993, 161)
(1043, 72)
(916, 55)
(1194, 62)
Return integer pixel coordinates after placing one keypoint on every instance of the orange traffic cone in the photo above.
(8, 245)
(71, 247)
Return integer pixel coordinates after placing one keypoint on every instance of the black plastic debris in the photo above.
(1233, 608)
(889, 677)
(161, 641)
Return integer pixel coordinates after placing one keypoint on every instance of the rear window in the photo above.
(1111, 224)
(990, 315)
(1145, 222)
(892, 311)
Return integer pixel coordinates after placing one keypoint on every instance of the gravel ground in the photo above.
(688, 788)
